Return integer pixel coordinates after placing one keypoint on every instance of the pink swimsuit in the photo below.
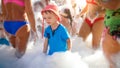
(18, 2)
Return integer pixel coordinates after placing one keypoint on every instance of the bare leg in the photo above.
(12, 41)
(110, 47)
(84, 31)
(22, 37)
(97, 30)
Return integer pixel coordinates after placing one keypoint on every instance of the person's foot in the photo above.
(95, 47)
(19, 54)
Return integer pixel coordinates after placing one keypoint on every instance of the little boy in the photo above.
(56, 35)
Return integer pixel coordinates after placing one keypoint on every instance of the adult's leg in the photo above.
(97, 30)
(84, 31)
(12, 40)
(22, 37)
(110, 47)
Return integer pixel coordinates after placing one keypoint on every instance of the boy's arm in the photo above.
(69, 44)
(45, 46)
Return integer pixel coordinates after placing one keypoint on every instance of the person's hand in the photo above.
(43, 54)
(35, 36)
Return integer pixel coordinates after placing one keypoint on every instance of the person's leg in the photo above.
(12, 40)
(97, 30)
(110, 47)
(11, 27)
(85, 30)
(22, 37)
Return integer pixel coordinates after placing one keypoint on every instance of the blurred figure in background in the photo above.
(67, 20)
(37, 7)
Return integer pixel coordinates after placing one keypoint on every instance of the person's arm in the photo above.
(45, 48)
(1, 18)
(3, 12)
(30, 15)
(69, 44)
(83, 11)
(74, 28)
(109, 4)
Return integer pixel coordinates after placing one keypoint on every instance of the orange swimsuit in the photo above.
(88, 21)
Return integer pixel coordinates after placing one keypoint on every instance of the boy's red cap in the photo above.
(52, 8)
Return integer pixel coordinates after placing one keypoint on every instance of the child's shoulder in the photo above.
(48, 27)
(61, 26)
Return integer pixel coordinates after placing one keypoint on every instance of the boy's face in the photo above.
(50, 17)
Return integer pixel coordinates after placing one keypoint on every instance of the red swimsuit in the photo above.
(88, 21)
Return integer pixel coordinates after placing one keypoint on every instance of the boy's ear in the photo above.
(57, 17)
